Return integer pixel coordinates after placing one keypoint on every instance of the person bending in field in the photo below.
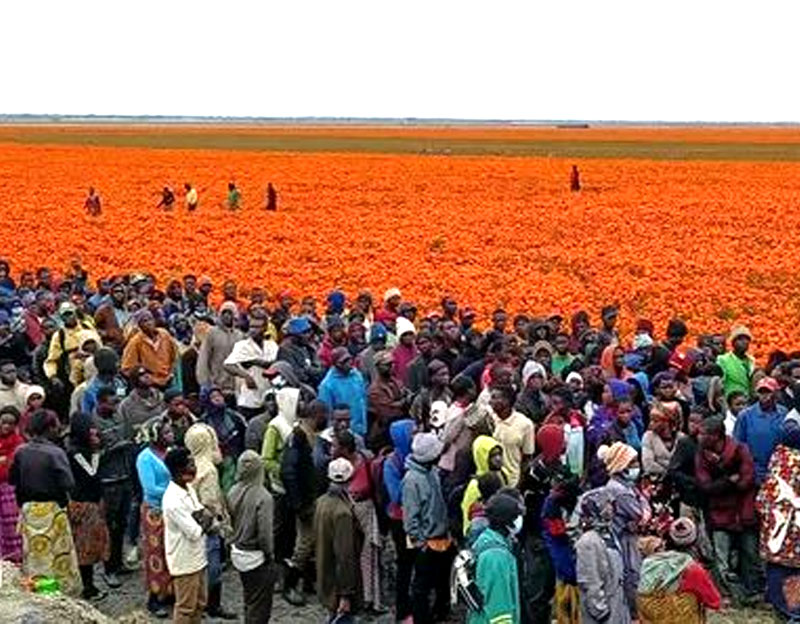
(234, 196)
(191, 197)
(92, 203)
(167, 199)
(575, 179)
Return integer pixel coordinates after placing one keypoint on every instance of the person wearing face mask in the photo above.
(496, 574)
(630, 510)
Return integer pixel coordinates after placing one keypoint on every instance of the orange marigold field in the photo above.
(712, 242)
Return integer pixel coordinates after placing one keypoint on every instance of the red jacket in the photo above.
(728, 482)
(8, 445)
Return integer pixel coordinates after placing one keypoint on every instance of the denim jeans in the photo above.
(745, 545)
(214, 556)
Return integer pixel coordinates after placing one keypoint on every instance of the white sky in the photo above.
(536, 59)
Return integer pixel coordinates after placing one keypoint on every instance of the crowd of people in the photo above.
(380, 456)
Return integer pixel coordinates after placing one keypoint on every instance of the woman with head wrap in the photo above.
(630, 511)
(658, 443)
(201, 440)
(154, 478)
(612, 361)
(86, 509)
(599, 566)
(673, 586)
(252, 552)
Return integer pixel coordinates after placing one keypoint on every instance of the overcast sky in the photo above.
(536, 59)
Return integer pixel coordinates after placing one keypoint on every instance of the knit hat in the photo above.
(616, 457)
(530, 369)
(392, 292)
(66, 307)
(550, 441)
(340, 470)
(573, 376)
(229, 306)
(502, 509)
(542, 345)
(683, 532)
(426, 447)
(404, 326)
(336, 300)
(739, 331)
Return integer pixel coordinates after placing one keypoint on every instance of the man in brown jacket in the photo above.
(338, 548)
(111, 317)
(153, 348)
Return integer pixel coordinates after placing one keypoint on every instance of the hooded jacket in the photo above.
(201, 440)
(424, 509)
(481, 449)
(497, 577)
(731, 504)
(298, 475)
(350, 390)
(278, 431)
(251, 507)
(394, 468)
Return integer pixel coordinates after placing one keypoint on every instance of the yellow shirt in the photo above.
(191, 197)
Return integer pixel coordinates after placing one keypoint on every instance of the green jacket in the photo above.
(736, 373)
(496, 576)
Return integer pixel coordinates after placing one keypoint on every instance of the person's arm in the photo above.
(63, 478)
(697, 581)
(326, 394)
(706, 483)
(270, 450)
(266, 512)
(740, 428)
(492, 578)
(411, 508)
(236, 365)
(53, 355)
(203, 368)
(130, 356)
(590, 552)
(181, 515)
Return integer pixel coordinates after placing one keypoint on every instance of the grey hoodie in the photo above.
(424, 508)
(251, 506)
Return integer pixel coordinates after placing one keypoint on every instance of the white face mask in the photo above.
(632, 474)
(517, 526)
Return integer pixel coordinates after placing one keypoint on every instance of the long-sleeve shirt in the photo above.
(40, 472)
(153, 476)
(157, 355)
(184, 541)
(760, 431)
(71, 342)
(216, 347)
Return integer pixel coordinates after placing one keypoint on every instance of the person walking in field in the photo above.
(92, 203)
(575, 179)
(191, 197)
(272, 198)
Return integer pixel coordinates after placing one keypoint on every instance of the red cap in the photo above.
(768, 383)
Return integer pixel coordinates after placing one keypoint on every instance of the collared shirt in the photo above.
(516, 435)
(184, 541)
(248, 350)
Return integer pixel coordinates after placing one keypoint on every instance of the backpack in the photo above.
(463, 587)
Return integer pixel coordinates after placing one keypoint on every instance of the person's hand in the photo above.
(250, 382)
(344, 606)
(734, 478)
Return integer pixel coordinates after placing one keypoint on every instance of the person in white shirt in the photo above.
(247, 362)
(186, 523)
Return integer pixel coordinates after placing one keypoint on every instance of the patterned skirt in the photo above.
(156, 575)
(10, 539)
(370, 558)
(47, 546)
(90, 532)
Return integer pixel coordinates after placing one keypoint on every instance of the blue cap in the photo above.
(298, 325)
(377, 331)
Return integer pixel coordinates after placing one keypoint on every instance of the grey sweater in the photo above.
(216, 346)
(424, 509)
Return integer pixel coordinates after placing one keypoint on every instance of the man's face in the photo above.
(766, 398)
(145, 380)
(118, 296)
(407, 339)
(107, 405)
(496, 458)
(257, 325)
(226, 318)
(229, 290)
(695, 420)
(543, 357)
(393, 302)
(610, 319)
(468, 321)
(521, 327)
(535, 382)
(337, 334)
(499, 404)
(708, 440)
(499, 321)
(384, 368)
(451, 330)
(177, 407)
(189, 285)
(450, 308)
(341, 420)
(441, 377)
(147, 324)
(619, 359)
(668, 389)
(741, 345)
(344, 365)
(558, 405)
(8, 374)
(424, 346)
(69, 319)
(562, 344)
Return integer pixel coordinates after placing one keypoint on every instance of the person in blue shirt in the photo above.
(106, 361)
(344, 385)
(154, 478)
(759, 426)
